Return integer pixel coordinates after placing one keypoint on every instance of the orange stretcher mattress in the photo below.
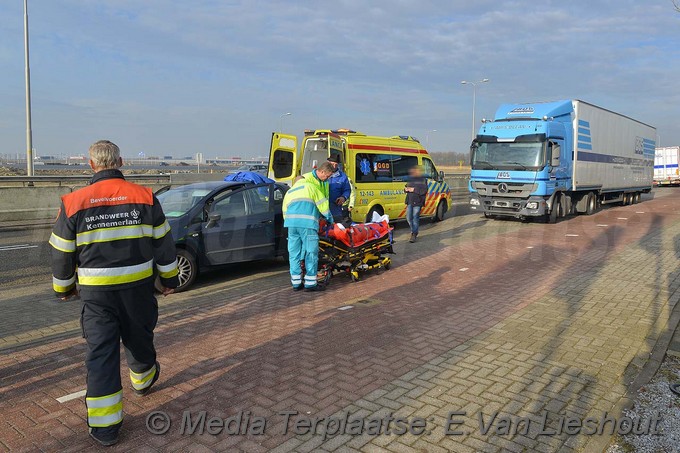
(357, 234)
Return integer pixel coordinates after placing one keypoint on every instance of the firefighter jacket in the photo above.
(110, 235)
(306, 202)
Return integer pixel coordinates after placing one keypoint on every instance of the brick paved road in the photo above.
(478, 316)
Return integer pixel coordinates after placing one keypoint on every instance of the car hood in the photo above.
(178, 226)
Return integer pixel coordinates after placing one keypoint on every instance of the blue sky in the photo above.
(213, 76)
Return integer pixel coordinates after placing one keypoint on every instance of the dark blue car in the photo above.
(223, 222)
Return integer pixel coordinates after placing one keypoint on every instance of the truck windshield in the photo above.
(508, 156)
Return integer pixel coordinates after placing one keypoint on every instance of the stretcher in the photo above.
(354, 250)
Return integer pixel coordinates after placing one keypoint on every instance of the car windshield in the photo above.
(244, 168)
(179, 201)
(515, 156)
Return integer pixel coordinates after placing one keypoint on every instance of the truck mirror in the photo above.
(441, 175)
(555, 160)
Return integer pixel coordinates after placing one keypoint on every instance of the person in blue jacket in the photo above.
(340, 189)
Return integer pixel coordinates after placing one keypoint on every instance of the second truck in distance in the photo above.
(551, 159)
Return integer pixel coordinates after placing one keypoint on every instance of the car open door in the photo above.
(283, 158)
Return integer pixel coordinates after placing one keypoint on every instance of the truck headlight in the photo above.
(474, 201)
(532, 205)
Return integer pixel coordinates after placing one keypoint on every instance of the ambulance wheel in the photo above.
(440, 212)
(388, 265)
(376, 209)
(354, 276)
(186, 265)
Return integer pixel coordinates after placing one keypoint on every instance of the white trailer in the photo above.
(614, 153)
(666, 166)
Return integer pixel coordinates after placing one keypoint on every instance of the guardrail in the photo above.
(30, 180)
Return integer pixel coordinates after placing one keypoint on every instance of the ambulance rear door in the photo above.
(283, 158)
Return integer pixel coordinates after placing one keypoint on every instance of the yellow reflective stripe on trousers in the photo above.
(114, 234)
(61, 244)
(62, 286)
(92, 276)
(161, 230)
(168, 270)
(141, 381)
(103, 411)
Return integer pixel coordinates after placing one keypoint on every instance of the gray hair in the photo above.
(105, 154)
(326, 167)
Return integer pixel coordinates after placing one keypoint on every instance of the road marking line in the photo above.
(602, 225)
(71, 396)
(463, 269)
(16, 247)
(13, 245)
(622, 218)
(346, 307)
(572, 235)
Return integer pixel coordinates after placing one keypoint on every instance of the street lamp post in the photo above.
(281, 120)
(427, 138)
(29, 132)
(474, 100)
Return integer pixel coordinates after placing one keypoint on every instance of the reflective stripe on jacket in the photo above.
(111, 233)
(306, 202)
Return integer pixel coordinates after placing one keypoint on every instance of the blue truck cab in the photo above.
(553, 159)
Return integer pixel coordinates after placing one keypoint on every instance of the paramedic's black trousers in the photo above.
(107, 317)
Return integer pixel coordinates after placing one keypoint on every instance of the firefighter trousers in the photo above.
(109, 316)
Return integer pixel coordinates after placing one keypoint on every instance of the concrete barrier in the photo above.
(30, 203)
(37, 203)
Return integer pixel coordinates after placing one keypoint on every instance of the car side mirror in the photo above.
(213, 219)
(441, 176)
(555, 158)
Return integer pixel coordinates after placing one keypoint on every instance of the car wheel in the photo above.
(440, 212)
(186, 265)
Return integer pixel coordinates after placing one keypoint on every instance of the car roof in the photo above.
(210, 185)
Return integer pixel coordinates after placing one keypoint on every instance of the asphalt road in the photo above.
(24, 255)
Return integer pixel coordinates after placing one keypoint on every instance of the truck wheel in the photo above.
(556, 210)
(591, 203)
(377, 209)
(440, 212)
(638, 197)
(568, 206)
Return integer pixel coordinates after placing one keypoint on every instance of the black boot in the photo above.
(413, 238)
(146, 390)
(315, 288)
(105, 436)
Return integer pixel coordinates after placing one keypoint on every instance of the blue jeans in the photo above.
(413, 217)
(303, 244)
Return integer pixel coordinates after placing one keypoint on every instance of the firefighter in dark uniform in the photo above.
(112, 238)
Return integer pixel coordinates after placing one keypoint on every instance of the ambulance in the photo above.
(377, 166)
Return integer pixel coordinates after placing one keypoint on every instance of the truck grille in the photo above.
(504, 189)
